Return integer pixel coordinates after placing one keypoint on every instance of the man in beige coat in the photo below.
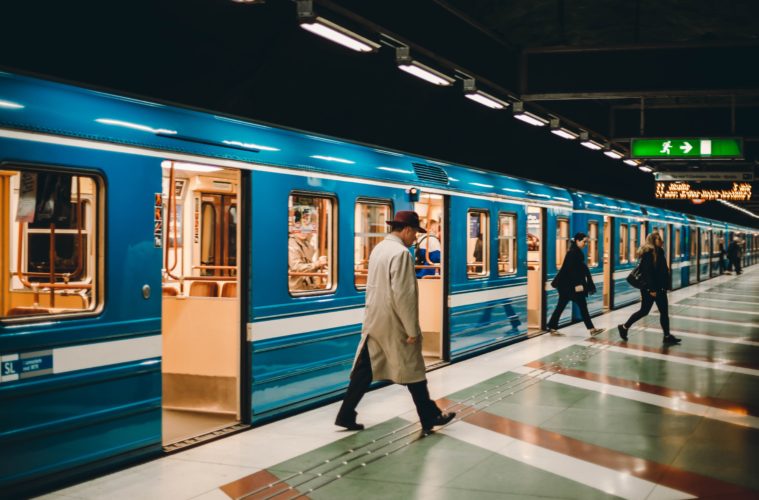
(391, 340)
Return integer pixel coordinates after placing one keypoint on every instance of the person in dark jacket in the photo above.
(656, 280)
(722, 255)
(734, 254)
(574, 282)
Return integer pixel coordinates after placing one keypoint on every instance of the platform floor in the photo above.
(551, 417)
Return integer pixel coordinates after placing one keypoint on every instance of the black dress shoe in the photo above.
(349, 422)
(671, 339)
(351, 426)
(622, 332)
(441, 419)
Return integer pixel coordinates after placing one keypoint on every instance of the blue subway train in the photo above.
(170, 276)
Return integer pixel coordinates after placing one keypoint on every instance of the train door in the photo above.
(430, 258)
(535, 272)
(197, 222)
(608, 268)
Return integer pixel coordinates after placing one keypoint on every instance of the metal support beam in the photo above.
(637, 94)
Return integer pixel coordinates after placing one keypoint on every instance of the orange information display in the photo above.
(737, 191)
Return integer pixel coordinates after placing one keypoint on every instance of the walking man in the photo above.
(391, 340)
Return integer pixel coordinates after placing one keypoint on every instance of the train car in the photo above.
(169, 276)
(672, 226)
(614, 229)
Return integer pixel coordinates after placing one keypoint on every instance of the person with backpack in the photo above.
(428, 251)
(574, 282)
(655, 280)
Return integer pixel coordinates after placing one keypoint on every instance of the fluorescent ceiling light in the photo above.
(613, 154)
(338, 34)
(426, 73)
(564, 133)
(189, 167)
(531, 118)
(486, 99)
(527, 117)
(250, 145)
(645, 168)
(406, 63)
(332, 158)
(592, 145)
(399, 170)
(10, 105)
(135, 126)
(632, 163)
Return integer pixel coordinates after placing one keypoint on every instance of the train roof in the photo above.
(50, 107)
(36, 105)
(598, 203)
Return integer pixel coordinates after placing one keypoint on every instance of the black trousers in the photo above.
(564, 299)
(736, 262)
(646, 303)
(361, 379)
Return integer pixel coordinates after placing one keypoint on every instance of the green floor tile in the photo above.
(433, 460)
(723, 451)
(502, 474)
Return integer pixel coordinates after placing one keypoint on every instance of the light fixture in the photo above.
(632, 163)
(588, 143)
(189, 167)
(309, 21)
(471, 92)
(562, 132)
(612, 153)
(10, 105)
(527, 117)
(645, 168)
(406, 63)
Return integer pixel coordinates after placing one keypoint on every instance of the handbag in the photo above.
(635, 278)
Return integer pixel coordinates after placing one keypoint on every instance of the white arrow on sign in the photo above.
(686, 147)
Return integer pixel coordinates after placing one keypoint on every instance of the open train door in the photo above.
(203, 366)
(430, 272)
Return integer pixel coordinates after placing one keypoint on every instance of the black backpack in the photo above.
(419, 257)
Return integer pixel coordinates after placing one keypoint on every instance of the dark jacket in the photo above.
(574, 272)
(733, 250)
(656, 275)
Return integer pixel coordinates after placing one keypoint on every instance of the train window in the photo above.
(562, 240)
(310, 248)
(218, 234)
(50, 246)
(370, 229)
(705, 242)
(507, 244)
(478, 244)
(677, 252)
(623, 244)
(592, 244)
(693, 242)
(633, 241)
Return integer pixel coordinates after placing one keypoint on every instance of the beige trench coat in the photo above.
(392, 314)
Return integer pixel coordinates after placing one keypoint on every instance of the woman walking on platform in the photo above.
(574, 282)
(656, 280)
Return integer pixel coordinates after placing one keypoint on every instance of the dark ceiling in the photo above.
(691, 66)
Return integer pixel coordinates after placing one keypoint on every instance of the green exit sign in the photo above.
(687, 147)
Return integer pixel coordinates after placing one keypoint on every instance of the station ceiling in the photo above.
(691, 66)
